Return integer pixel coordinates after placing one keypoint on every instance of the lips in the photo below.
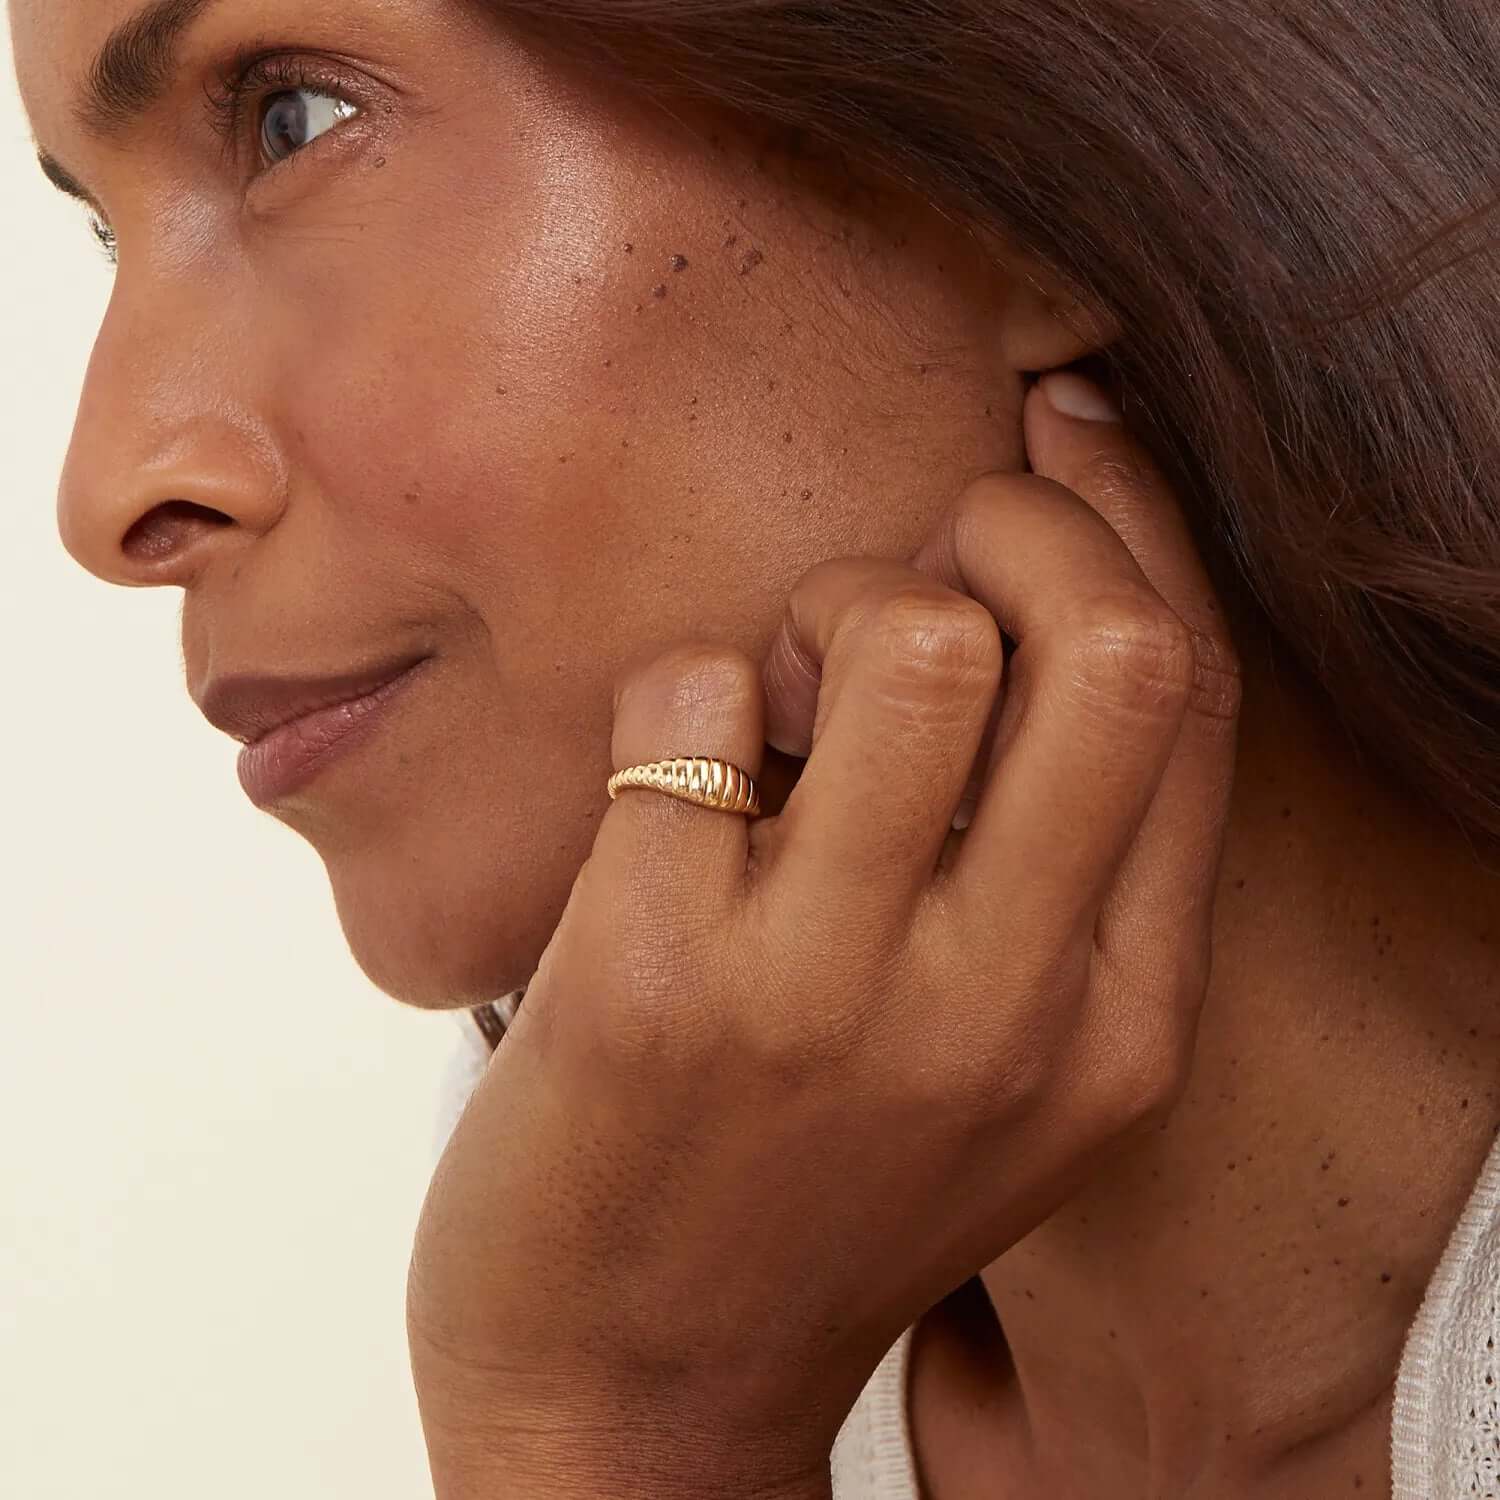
(251, 707)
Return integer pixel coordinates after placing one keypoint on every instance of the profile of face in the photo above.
(425, 344)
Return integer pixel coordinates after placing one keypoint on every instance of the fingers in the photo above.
(1168, 878)
(903, 673)
(689, 700)
(1094, 698)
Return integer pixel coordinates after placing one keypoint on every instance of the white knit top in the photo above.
(1445, 1427)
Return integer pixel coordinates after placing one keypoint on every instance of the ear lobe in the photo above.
(1044, 325)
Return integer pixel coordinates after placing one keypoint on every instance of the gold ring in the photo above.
(699, 779)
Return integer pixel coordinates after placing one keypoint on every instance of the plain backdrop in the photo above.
(215, 1134)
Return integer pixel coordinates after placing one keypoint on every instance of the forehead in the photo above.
(55, 41)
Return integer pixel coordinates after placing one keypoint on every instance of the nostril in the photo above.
(168, 527)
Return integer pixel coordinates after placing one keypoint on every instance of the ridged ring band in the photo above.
(699, 779)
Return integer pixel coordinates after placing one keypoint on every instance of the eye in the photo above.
(295, 118)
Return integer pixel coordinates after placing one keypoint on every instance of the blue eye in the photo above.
(295, 118)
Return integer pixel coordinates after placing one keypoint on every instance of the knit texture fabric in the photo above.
(1445, 1424)
(872, 1457)
(1445, 1429)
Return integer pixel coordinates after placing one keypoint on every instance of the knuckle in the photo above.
(1020, 1064)
(940, 637)
(1152, 1088)
(1136, 653)
(1144, 1079)
(997, 1086)
(1218, 678)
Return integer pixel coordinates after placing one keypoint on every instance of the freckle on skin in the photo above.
(659, 290)
(678, 262)
(807, 495)
(731, 241)
(786, 437)
(629, 248)
(749, 261)
(1343, 1203)
(1286, 812)
(1385, 1276)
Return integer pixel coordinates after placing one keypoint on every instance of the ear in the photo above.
(1043, 324)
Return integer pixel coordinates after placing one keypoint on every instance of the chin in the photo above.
(442, 943)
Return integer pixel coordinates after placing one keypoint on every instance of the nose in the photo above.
(171, 466)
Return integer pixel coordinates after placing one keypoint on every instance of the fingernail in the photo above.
(1074, 396)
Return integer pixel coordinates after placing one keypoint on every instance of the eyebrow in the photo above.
(133, 68)
(127, 76)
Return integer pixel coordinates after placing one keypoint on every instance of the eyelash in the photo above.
(257, 76)
(252, 77)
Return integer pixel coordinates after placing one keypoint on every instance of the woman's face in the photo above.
(426, 345)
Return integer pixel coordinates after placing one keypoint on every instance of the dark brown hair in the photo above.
(1287, 206)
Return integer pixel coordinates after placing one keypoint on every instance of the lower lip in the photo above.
(287, 759)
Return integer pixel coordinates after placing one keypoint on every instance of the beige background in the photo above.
(214, 1133)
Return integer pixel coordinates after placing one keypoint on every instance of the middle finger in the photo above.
(906, 670)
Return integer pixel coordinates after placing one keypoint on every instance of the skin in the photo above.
(428, 399)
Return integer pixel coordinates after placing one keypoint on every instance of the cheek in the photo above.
(532, 416)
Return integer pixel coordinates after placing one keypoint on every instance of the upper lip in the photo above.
(250, 707)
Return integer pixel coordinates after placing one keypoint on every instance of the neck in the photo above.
(1228, 1301)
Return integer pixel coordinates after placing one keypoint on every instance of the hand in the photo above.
(779, 1086)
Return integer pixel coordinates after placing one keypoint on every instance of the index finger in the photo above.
(1167, 874)
(1168, 881)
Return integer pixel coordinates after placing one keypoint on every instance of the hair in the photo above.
(1287, 209)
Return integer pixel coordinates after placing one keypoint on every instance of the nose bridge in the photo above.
(172, 459)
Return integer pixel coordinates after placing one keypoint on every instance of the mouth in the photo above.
(292, 728)
(248, 707)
